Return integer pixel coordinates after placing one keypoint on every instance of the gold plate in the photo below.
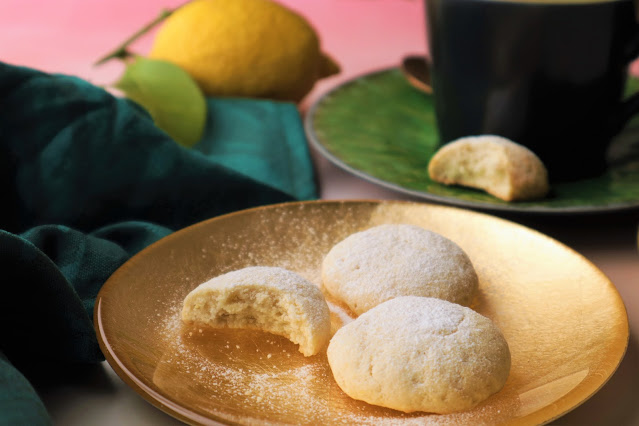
(563, 319)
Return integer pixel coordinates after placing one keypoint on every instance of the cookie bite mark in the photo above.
(497, 165)
(271, 299)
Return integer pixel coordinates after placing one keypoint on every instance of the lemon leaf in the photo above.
(169, 94)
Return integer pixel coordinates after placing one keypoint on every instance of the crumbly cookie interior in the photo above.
(269, 299)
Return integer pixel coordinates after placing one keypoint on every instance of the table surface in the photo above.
(363, 35)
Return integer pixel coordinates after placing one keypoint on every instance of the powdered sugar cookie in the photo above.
(266, 298)
(420, 354)
(387, 261)
(497, 165)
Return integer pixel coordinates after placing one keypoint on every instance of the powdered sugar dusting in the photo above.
(387, 261)
(252, 377)
(256, 378)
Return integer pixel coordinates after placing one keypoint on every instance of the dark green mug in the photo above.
(547, 74)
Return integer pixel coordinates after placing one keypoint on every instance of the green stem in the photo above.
(122, 52)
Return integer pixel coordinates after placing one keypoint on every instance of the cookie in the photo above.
(266, 298)
(387, 261)
(493, 164)
(420, 354)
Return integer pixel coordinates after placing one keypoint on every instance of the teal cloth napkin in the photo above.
(87, 180)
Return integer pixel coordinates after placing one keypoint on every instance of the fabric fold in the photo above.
(87, 180)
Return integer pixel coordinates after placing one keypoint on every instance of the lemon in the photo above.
(246, 48)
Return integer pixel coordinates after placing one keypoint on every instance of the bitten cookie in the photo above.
(266, 298)
(387, 261)
(420, 354)
(494, 164)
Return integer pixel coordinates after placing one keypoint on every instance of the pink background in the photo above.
(67, 36)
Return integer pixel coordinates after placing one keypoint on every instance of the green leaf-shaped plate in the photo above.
(381, 129)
